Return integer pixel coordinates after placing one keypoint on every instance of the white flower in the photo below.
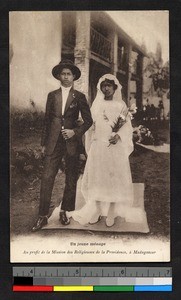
(133, 108)
(131, 116)
(123, 117)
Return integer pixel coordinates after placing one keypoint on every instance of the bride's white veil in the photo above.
(97, 103)
(95, 109)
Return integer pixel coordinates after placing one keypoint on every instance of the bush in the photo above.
(26, 168)
(24, 122)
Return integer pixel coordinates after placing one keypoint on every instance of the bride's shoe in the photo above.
(95, 219)
(109, 221)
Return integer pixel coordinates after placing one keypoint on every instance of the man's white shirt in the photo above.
(65, 93)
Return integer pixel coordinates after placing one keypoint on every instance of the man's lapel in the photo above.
(70, 98)
(58, 104)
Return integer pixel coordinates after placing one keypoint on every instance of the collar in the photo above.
(67, 89)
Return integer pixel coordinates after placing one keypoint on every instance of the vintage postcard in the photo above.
(90, 147)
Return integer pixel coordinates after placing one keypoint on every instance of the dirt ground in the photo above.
(148, 167)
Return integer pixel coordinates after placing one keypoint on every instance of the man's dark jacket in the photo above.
(55, 121)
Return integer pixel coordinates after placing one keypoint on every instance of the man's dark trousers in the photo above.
(51, 166)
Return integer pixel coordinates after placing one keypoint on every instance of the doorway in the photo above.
(95, 72)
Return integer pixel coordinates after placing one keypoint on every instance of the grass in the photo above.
(147, 166)
(152, 169)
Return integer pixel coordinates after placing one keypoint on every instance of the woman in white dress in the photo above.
(106, 184)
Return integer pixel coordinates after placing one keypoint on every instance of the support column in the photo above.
(82, 50)
(113, 37)
(129, 50)
(115, 54)
(139, 85)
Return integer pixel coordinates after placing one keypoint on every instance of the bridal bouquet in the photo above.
(121, 119)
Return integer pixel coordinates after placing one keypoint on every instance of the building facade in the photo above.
(98, 46)
(39, 40)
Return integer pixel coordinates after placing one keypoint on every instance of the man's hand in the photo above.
(114, 139)
(67, 133)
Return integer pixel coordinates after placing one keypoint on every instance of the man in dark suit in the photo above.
(61, 137)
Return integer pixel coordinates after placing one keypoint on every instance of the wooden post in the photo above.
(82, 50)
(129, 50)
(113, 37)
(139, 85)
(115, 54)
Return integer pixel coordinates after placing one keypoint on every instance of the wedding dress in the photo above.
(107, 175)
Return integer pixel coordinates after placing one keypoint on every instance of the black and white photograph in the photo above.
(89, 136)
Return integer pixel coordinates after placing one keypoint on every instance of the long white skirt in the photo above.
(106, 181)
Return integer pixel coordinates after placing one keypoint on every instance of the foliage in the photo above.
(142, 134)
(27, 165)
(26, 168)
(161, 80)
(159, 73)
(26, 121)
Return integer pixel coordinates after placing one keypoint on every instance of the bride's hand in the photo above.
(114, 139)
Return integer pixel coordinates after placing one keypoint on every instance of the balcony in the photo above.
(100, 45)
